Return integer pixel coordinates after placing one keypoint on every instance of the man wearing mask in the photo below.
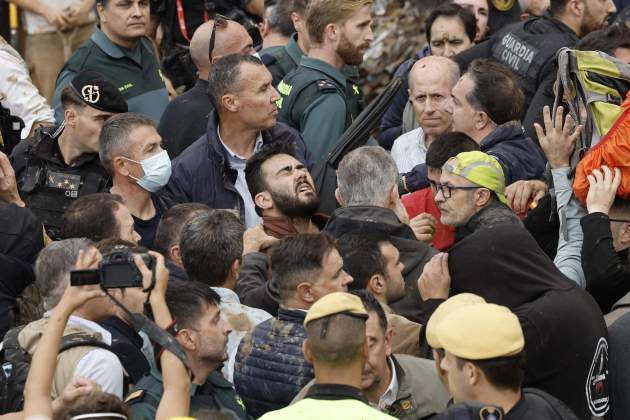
(131, 153)
(60, 164)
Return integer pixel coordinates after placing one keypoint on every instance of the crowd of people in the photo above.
(163, 250)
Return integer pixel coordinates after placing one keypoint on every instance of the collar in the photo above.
(116, 51)
(493, 214)
(122, 327)
(106, 336)
(215, 379)
(201, 85)
(227, 295)
(506, 131)
(335, 392)
(561, 25)
(232, 155)
(389, 396)
(292, 315)
(293, 49)
(324, 67)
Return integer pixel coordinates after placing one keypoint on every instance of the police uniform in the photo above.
(46, 183)
(216, 394)
(316, 101)
(282, 60)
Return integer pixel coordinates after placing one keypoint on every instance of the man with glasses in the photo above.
(186, 117)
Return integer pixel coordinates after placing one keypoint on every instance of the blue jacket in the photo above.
(518, 155)
(201, 173)
(270, 368)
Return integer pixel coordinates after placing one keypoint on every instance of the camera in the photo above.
(116, 270)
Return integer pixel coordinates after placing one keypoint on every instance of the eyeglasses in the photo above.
(447, 190)
(220, 21)
(619, 220)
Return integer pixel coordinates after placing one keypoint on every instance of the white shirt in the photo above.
(17, 92)
(238, 164)
(100, 365)
(409, 150)
(242, 319)
(37, 24)
(389, 397)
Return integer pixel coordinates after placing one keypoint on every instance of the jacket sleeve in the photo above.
(544, 96)
(568, 258)
(481, 50)
(253, 286)
(177, 190)
(391, 124)
(417, 179)
(607, 278)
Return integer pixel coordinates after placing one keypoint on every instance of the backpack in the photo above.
(593, 85)
(16, 362)
(10, 130)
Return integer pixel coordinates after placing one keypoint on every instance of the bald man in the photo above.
(430, 82)
(186, 117)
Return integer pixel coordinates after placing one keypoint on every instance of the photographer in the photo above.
(127, 344)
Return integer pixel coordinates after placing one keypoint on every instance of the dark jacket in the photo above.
(529, 48)
(607, 277)
(127, 345)
(519, 156)
(619, 338)
(185, 119)
(270, 368)
(253, 286)
(413, 253)
(201, 174)
(565, 335)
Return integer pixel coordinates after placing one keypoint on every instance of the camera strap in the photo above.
(140, 322)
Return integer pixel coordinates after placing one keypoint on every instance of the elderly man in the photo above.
(186, 117)
(430, 83)
(471, 197)
(212, 169)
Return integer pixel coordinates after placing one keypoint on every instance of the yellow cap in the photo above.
(336, 303)
(448, 306)
(481, 169)
(482, 331)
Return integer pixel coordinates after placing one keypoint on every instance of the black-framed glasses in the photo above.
(447, 190)
(220, 21)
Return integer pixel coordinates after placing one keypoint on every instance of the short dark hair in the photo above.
(556, 7)
(362, 256)
(69, 97)
(372, 305)
(342, 343)
(92, 216)
(464, 14)
(253, 170)
(95, 402)
(170, 228)
(279, 17)
(210, 243)
(606, 40)
(106, 246)
(446, 146)
(225, 73)
(502, 373)
(115, 135)
(496, 91)
(297, 259)
(299, 7)
(187, 299)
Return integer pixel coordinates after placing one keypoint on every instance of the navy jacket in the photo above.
(518, 155)
(201, 174)
(270, 368)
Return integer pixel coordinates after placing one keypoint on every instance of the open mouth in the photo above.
(303, 187)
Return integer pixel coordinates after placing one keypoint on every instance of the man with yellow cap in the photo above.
(483, 359)
(336, 346)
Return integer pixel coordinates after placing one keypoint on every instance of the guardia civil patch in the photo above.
(515, 53)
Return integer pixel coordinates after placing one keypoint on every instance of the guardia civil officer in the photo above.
(529, 48)
(315, 97)
(60, 163)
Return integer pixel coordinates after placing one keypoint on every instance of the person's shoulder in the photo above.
(539, 402)
(414, 364)
(407, 139)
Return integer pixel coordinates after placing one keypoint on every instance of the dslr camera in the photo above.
(117, 270)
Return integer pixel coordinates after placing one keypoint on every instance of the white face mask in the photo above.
(157, 171)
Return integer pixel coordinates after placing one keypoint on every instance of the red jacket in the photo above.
(422, 201)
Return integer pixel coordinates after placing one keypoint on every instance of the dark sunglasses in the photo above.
(220, 21)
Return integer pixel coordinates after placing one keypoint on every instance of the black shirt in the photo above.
(127, 345)
(147, 228)
(537, 404)
(185, 119)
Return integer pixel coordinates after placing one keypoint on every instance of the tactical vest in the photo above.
(278, 62)
(301, 88)
(528, 47)
(48, 189)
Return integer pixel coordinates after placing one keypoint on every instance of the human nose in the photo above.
(611, 7)
(275, 96)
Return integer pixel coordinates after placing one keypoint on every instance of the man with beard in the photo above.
(529, 48)
(285, 198)
(212, 169)
(314, 99)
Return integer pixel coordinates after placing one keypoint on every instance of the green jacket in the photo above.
(215, 395)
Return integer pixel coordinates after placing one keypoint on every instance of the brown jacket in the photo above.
(406, 333)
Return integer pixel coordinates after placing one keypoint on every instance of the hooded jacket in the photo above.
(566, 344)
(414, 254)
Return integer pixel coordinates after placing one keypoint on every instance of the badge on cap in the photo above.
(503, 5)
(91, 93)
(490, 413)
